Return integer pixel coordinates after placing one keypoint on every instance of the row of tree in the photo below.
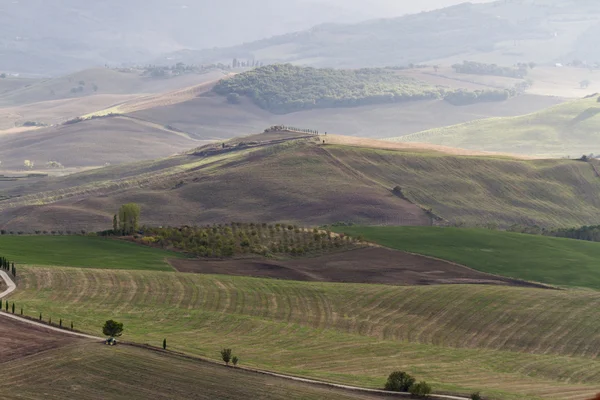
(8, 266)
(279, 128)
(127, 220)
(477, 68)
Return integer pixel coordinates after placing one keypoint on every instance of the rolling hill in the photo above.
(569, 129)
(35, 39)
(350, 181)
(73, 367)
(92, 143)
(502, 32)
(507, 342)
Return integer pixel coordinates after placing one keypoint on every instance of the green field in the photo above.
(569, 129)
(97, 372)
(83, 251)
(508, 342)
(555, 261)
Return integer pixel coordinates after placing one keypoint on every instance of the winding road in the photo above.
(11, 287)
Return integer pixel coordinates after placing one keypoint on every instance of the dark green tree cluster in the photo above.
(284, 88)
(8, 266)
(400, 381)
(228, 240)
(477, 68)
(589, 233)
(227, 357)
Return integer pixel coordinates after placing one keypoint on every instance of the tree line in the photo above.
(8, 266)
(477, 68)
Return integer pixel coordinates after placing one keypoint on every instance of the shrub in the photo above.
(476, 396)
(399, 381)
(421, 389)
(235, 360)
(226, 355)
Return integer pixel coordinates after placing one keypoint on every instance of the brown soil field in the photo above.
(20, 339)
(92, 143)
(365, 265)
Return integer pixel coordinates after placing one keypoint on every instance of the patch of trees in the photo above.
(284, 88)
(127, 220)
(476, 68)
(589, 233)
(465, 97)
(400, 381)
(34, 123)
(228, 240)
(169, 71)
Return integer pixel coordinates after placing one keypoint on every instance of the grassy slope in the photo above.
(556, 261)
(97, 372)
(568, 129)
(254, 185)
(82, 251)
(484, 189)
(511, 343)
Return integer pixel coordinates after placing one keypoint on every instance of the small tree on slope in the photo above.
(226, 356)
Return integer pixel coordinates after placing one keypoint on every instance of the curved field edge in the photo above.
(84, 252)
(510, 343)
(554, 261)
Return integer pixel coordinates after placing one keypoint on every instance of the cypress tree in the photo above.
(164, 344)
(71, 325)
(21, 310)
(60, 323)
(50, 321)
(13, 308)
(40, 316)
(6, 305)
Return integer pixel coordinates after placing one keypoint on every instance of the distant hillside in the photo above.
(92, 143)
(503, 32)
(49, 38)
(331, 183)
(569, 129)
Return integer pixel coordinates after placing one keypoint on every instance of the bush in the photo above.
(476, 396)
(234, 98)
(421, 389)
(226, 356)
(399, 381)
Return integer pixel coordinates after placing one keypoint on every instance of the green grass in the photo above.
(97, 372)
(508, 342)
(555, 261)
(480, 190)
(83, 251)
(569, 129)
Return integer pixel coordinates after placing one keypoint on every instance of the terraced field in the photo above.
(511, 343)
(555, 261)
